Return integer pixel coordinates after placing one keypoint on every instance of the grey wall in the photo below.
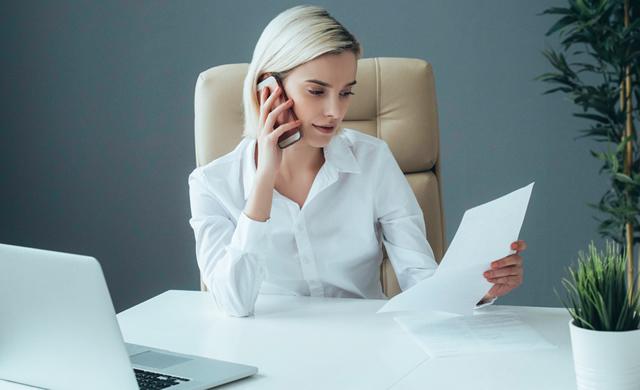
(96, 138)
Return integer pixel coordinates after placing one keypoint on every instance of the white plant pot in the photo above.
(606, 360)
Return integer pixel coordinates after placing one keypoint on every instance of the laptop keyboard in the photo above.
(153, 381)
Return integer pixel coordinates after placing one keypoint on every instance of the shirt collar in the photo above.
(338, 153)
(338, 157)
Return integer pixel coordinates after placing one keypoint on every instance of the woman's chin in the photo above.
(316, 138)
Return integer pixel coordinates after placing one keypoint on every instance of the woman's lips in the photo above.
(324, 129)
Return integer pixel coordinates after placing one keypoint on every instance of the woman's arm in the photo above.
(404, 236)
(228, 254)
(402, 223)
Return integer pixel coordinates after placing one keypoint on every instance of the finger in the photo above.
(519, 245)
(275, 134)
(511, 281)
(261, 95)
(513, 270)
(264, 94)
(273, 115)
(265, 108)
(507, 261)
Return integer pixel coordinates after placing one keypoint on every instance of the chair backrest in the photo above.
(395, 100)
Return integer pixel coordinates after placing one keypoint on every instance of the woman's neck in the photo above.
(300, 158)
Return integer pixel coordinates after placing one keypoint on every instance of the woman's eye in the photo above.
(316, 92)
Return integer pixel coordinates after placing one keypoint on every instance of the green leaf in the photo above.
(599, 155)
(562, 23)
(555, 11)
(623, 144)
(621, 177)
(597, 118)
(563, 89)
(582, 7)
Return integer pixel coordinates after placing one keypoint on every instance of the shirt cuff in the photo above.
(249, 234)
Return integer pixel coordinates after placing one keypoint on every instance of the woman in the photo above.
(310, 219)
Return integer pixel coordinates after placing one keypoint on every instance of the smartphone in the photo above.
(292, 136)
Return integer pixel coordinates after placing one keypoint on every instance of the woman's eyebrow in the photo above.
(329, 85)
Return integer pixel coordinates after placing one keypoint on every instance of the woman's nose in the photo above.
(332, 107)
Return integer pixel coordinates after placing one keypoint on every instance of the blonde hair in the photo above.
(294, 37)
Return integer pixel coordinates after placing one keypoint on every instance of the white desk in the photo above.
(324, 343)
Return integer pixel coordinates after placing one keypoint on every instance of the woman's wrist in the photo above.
(258, 206)
(265, 177)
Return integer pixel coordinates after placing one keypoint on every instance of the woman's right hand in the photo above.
(269, 153)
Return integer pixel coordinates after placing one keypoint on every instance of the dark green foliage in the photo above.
(590, 70)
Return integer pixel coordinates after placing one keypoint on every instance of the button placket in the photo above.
(308, 265)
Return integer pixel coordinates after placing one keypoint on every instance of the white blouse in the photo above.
(331, 247)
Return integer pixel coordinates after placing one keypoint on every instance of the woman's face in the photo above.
(321, 93)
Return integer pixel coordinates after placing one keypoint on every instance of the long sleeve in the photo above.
(228, 254)
(402, 223)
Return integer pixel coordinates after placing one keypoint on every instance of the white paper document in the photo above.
(480, 333)
(484, 235)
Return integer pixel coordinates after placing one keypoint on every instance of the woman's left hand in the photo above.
(506, 273)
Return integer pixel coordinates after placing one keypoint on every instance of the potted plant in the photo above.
(605, 334)
(599, 70)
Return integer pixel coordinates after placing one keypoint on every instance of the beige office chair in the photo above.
(395, 100)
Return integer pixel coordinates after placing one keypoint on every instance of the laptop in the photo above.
(58, 330)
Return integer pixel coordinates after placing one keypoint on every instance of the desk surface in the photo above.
(328, 343)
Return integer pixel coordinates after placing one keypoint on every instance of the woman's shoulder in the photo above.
(364, 146)
(361, 140)
(357, 137)
(221, 168)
